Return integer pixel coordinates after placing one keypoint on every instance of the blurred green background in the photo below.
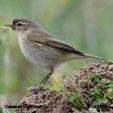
(85, 24)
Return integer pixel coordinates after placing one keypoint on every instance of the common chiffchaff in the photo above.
(43, 49)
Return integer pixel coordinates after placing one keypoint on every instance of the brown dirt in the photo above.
(56, 103)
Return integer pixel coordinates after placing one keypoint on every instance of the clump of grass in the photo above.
(94, 93)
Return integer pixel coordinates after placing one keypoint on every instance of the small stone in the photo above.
(110, 68)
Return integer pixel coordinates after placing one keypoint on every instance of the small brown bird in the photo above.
(43, 49)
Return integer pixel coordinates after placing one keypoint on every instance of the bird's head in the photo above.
(22, 25)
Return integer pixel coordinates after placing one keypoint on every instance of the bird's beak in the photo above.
(10, 25)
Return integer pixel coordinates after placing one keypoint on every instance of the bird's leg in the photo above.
(47, 77)
(38, 88)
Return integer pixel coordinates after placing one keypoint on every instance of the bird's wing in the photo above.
(47, 39)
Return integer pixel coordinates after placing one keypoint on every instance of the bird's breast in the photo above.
(38, 55)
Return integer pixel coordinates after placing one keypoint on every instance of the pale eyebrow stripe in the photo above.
(21, 23)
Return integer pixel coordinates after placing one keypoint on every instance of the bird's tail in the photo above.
(92, 56)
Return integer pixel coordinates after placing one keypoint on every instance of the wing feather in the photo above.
(44, 38)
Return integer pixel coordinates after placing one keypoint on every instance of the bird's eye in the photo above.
(19, 24)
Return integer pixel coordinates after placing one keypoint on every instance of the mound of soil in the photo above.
(56, 103)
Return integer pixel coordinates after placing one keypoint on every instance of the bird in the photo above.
(42, 48)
